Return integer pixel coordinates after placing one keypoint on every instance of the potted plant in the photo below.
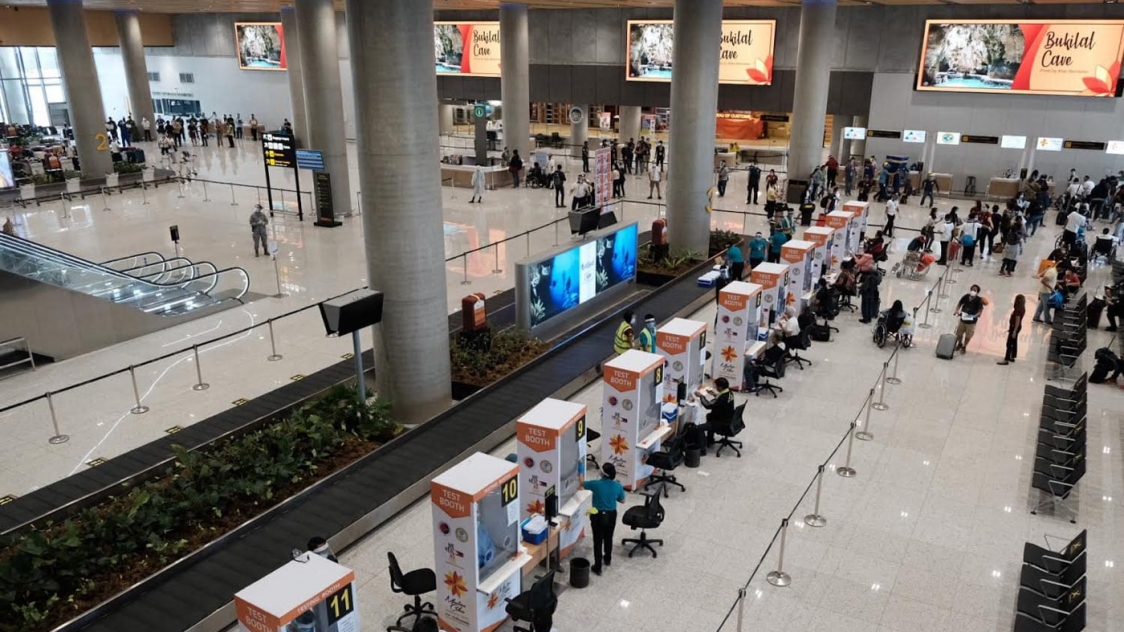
(657, 272)
(478, 361)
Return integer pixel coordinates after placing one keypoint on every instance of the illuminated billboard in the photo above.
(261, 45)
(467, 49)
(1059, 57)
(746, 56)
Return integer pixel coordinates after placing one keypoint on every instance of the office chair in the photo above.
(647, 516)
(535, 606)
(1054, 561)
(592, 435)
(414, 584)
(793, 345)
(730, 428)
(771, 365)
(423, 624)
(669, 457)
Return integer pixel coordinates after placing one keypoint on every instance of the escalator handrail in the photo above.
(159, 256)
(159, 273)
(190, 265)
(129, 271)
(216, 274)
(195, 275)
(51, 252)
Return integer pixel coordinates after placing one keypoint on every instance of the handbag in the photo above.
(997, 249)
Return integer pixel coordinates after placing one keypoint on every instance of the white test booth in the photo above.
(478, 552)
(822, 237)
(773, 279)
(308, 593)
(631, 425)
(552, 450)
(737, 330)
(844, 236)
(800, 255)
(861, 213)
(683, 343)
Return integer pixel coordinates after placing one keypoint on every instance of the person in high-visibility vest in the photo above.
(623, 340)
(648, 334)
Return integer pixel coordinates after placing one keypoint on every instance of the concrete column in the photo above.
(629, 125)
(694, 106)
(80, 80)
(579, 133)
(858, 147)
(838, 145)
(515, 82)
(396, 93)
(445, 118)
(299, 117)
(813, 71)
(323, 98)
(136, 70)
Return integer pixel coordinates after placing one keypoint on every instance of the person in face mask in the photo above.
(968, 309)
(648, 334)
(623, 340)
(320, 546)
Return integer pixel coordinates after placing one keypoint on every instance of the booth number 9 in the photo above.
(509, 491)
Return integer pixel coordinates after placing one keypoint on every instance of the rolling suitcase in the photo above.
(1093, 313)
(946, 346)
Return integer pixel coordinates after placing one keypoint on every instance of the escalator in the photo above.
(66, 306)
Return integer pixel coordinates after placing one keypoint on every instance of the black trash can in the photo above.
(692, 456)
(579, 572)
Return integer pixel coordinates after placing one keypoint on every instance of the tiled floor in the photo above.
(928, 536)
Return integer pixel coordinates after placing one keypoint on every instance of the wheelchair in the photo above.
(914, 266)
(882, 332)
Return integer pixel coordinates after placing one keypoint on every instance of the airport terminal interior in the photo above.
(803, 313)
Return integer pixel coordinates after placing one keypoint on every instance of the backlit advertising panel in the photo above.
(746, 57)
(1058, 57)
(467, 49)
(261, 45)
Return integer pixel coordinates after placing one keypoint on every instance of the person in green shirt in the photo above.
(736, 262)
(776, 240)
(607, 492)
(648, 334)
(758, 249)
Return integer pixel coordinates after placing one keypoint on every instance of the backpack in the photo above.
(967, 240)
(1057, 299)
(824, 201)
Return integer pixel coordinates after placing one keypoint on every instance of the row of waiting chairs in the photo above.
(1052, 588)
(1060, 454)
(1069, 340)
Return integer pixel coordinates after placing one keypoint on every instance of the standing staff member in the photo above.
(623, 340)
(648, 334)
(607, 492)
(477, 185)
(753, 184)
(258, 222)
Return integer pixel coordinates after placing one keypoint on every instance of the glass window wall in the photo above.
(30, 81)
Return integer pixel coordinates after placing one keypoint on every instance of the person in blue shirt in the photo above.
(736, 262)
(607, 492)
(758, 248)
(776, 240)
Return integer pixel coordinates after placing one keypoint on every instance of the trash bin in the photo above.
(579, 572)
(692, 456)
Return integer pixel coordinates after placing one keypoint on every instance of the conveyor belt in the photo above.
(203, 586)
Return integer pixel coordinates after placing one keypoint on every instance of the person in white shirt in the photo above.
(1087, 186)
(1074, 222)
(146, 125)
(1074, 189)
(580, 192)
(891, 214)
(969, 234)
(946, 229)
(655, 176)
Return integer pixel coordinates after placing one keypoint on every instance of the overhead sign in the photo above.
(1115, 147)
(279, 150)
(882, 133)
(948, 138)
(914, 136)
(261, 45)
(1049, 144)
(310, 159)
(1084, 144)
(467, 49)
(854, 133)
(979, 140)
(1060, 57)
(1013, 142)
(745, 58)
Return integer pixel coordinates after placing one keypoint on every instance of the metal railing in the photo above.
(14, 343)
(280, 204)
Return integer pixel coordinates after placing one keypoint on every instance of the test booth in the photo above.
(631, 413)
(737, 332)
(552, 451)
(773, 279)
(478, 554)
(845, 239)
(823, 264)
(683, 343)
(800, 255)
(309, 593)
(861, 213)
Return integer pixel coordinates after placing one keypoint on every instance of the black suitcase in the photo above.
(806, 211)
(137, 157)
(946, 346)
(1061, 219)
(1093, 313)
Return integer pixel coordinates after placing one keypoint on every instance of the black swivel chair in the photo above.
(771, 365)
(647, 516)
(730, 428)
(535, 606)
(414, 584)
(665, 460)
(423, 624)
(592, 435)
(793, 346)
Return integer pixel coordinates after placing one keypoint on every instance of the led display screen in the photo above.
(854, 133)
(1013, 142)
(913, 136)
(6, 178)
(467, 49)
(746, 56)
(261, 45)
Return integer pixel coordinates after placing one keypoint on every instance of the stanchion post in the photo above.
(274, 356)
(140, 408)
(200, 385)
(180, 196)
(881, 403)
(144, 195)
(745, 218)
(58, 437)
(845, 470)
(528, 243)
(464, 258)
(894, 379)
(205, 198)
(104, 200)
(816, 519)
(277, 274)
(865, 434)
(741, 607)
(928, 299)
(233, 202)
(778, 577)
(555, 233)
(497, 269)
